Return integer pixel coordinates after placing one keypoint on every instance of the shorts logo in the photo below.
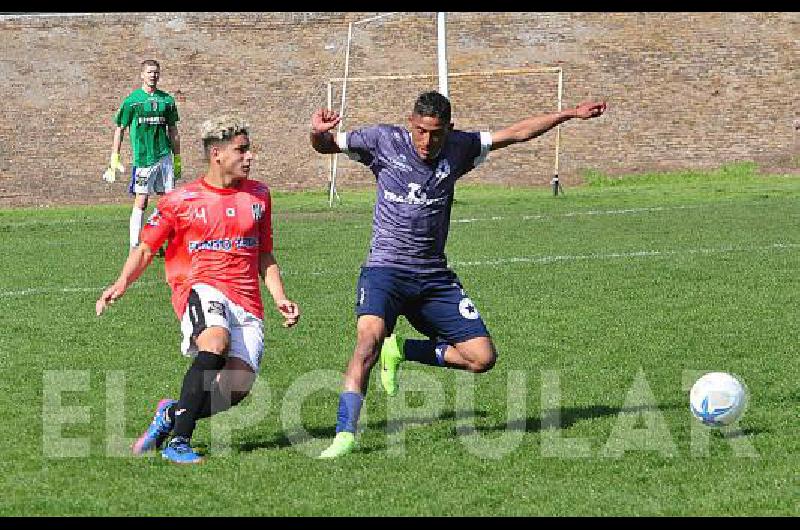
(468, 309)
(216, 308)
(154, 218)
(361, 296)
(141, 180)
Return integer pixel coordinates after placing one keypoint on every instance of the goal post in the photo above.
(487, 100)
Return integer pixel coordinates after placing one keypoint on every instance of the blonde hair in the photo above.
(221, 129)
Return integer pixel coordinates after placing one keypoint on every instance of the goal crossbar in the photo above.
(517, 71)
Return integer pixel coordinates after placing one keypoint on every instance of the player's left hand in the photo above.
(290, 312)
(590, 109)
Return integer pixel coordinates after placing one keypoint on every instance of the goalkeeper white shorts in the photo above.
(158, 178)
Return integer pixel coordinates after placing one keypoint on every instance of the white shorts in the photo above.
(158, 178)
(208, 307)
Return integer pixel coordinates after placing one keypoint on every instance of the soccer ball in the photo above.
(717, 399)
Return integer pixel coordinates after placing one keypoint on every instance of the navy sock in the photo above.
(428, 351)
(349, 410)
(193, 392)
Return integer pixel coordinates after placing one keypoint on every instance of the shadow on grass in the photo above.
(282, 440)
(562, 418)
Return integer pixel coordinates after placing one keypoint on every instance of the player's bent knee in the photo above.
(484, 364)
(214, 339)
(237, 397)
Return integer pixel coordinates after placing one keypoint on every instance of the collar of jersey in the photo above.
(222, 191)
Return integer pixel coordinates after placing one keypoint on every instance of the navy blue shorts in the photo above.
(434, 303)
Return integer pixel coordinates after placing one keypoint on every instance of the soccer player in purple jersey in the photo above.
(406, 271)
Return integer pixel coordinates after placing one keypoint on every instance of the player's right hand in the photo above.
(323, 120)
(108, 297)
(114, 165)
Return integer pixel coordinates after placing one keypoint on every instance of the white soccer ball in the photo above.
(717, 399)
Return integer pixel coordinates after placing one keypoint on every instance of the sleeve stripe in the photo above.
(341, 141)
(486, 143)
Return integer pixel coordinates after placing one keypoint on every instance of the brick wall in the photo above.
(684, 89)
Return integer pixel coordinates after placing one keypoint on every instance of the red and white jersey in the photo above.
(215, 237)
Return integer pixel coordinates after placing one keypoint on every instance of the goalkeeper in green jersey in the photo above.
(152, 116)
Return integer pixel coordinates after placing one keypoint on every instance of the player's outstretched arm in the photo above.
(534, 126)
(322, 140)
(269, 270)
(137, 262)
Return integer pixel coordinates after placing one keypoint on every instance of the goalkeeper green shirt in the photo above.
(148, 116)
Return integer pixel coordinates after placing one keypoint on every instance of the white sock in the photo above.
(135, 225)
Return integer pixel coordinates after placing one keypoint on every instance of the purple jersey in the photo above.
(412, 210)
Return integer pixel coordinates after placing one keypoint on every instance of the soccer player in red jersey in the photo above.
(220, 241)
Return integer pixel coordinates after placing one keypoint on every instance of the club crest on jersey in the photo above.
(258, 211)
(153, 105)
(442, 170)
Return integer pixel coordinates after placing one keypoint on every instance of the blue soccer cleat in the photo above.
(157, 431)
(178, 451)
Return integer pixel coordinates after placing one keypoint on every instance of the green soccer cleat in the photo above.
(343, 443)
(391, 357)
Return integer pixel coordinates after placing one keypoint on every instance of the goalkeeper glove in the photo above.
(176, 165)
(114, 165)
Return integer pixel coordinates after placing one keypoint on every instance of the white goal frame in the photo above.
(557, 70)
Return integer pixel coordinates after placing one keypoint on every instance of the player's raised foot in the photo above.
(178, 451)
(157, 431)
(343, 443)
(391, 357)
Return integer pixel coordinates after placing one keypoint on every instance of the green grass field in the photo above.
(604, 303)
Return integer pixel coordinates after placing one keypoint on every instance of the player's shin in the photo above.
(215, 402)
(346, 423)
(349, 411)
(135, 225)
(194, 392)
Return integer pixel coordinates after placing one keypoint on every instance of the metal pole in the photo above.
(332, 192)
(555, 182)
(331, 157)
(442, 47)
